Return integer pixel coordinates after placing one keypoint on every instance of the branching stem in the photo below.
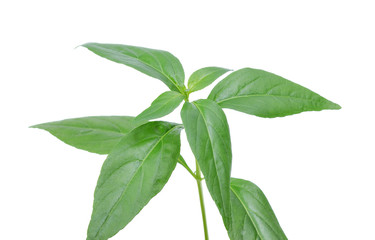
(181, 161)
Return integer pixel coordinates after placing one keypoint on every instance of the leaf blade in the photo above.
(163, 105)
(204, 77)
(154, 63)
(96, 134)
(265, 94)
(252, 215)
(208, 135)
(133, 173)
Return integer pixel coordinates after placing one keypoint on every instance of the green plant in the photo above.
(142, 155)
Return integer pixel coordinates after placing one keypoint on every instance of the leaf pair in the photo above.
(169, 101)
(245, 210)
(158, 64)
(140, 162)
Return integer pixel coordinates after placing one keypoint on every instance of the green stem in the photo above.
(182, 161)
(201, 199)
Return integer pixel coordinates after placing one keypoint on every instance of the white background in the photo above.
(316, 168)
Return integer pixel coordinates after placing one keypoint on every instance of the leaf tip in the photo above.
(333, 106)
(42, 126)
(337, 106)
(86, 45)
(35, 126)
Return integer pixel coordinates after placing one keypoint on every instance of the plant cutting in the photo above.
(142, 154)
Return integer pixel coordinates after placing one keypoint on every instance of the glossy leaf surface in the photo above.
(252, 215)
(204, 77)
(208, 135)
(264, 94)
(93, 134)
(161, 106)
(155, 63)
(133, 173)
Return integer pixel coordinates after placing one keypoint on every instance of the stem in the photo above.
(182, 161)
(201, 199)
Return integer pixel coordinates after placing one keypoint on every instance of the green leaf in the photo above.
(133, 173)
(264, 94)
(161, 106)
(252, 215)
(208, 135)
(204, 77)
(155, 63)
(93, 134)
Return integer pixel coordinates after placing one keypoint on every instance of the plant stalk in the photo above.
(181, 161)
(201, 199)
